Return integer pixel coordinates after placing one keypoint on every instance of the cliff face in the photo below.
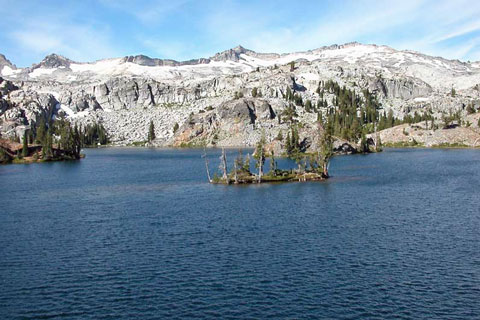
(202, 96)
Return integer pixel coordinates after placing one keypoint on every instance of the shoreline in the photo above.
(384, 146)
(388, 146)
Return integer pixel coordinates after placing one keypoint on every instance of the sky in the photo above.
(88, 30)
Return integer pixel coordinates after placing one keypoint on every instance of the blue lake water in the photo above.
(139, 233)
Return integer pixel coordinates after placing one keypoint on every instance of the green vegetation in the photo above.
(53, 141)
(311, 167)
(41, 131)
(292, 143)
(138, 143)
(4, 158)
(175, 127)
(451, 145)
(471, 109)
(193, 144)
(25, 145)
(238, 95)
(309, 170)
(326, 150)
(404, 144)
(151, 132)
(259, 156)
(93, 135)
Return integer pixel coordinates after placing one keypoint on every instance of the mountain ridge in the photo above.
(231, 54)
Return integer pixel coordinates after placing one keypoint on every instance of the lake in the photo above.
(139, 233)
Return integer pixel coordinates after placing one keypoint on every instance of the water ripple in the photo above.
(137, 233)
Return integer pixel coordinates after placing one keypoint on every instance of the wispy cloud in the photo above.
(56, 31)
(415, 25)
(77, 42)
(185, 29)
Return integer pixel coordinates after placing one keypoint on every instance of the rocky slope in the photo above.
(125, 94)
(421, 134)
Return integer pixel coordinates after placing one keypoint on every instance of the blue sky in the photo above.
(183, 29)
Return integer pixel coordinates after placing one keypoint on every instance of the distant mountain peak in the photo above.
(5, 62)
(231, 54)
(54, 61)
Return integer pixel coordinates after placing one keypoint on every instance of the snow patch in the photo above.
(7, 71)
(41, 71)
(67, 110)
(420, 99)
(114, 67)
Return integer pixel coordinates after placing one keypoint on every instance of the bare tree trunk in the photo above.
(376, 138)
(325, 167)
(260, 167)
(224, 165)
(206, 165)
(235, 172)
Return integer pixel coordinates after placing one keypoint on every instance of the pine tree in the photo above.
(25, 145)
(288, 144)
(295, 141)
(288, 94)
(308, 105)
(364, 144)
(273, 164)
(239, 161)
(260, 157)
(151, 132)
(280, 136)
(77, 142)
(41, 131)
(246, 163)
(47, 148)
(326, 149)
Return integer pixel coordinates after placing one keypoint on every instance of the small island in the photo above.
(311, 167)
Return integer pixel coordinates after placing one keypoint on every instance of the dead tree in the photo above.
(235, 177)
(223, 158)
(206, 164)
(261, 161)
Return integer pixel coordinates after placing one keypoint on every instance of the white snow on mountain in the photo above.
(435, 71)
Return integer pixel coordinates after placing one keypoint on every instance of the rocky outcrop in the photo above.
(151, 62)
(6, 87)
(53, 61)
(23, 110)
(419, 135)
(235, 119)
(405, 88)
(344, 147)
(5, 62)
